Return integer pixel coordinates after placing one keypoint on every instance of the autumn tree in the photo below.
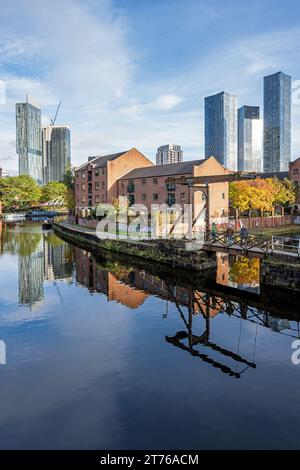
(261, 194)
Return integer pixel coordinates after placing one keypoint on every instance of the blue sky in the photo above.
(135, 73)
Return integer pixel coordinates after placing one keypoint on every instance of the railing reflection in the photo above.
(131, 286)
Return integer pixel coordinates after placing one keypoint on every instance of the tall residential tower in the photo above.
(56, 146)
(221, 129)
(28, 139)
(168, 154)
(250, 139)
(277, 122)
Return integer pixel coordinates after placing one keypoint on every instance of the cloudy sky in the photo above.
(135, 72)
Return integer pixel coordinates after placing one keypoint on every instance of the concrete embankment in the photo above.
(168, 253)
(281, 274)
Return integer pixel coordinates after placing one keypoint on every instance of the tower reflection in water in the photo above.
(41, 257)
(199, 304)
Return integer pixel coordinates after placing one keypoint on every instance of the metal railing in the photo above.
(286, 244)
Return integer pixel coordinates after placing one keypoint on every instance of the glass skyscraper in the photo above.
(56, 152)
(277, 122)
(28, 139)
(221, 129)
(250, 139)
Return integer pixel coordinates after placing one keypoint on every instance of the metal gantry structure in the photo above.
(53, 120)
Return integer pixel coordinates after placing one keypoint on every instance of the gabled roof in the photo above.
(101, 160)
(163, 170)
(294, 161)
(281, 175)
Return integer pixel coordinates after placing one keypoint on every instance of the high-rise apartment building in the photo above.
(56, 144)
(250, 139)
(277, 122)
(169, 154)
(221, 129)
(28, 139)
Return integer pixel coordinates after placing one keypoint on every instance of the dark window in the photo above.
(144, 197)
(171, 200)
(170, 186)
(130, 187)
(155, 180)
(144, 181)
(182, 197)
(96, 172)
(155, 197)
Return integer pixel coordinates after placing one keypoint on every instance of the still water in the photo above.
(105, 353)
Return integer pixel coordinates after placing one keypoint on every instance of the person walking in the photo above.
(229, 234)
(214, 231)
(243, 235)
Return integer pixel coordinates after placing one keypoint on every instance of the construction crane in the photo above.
(52, 122)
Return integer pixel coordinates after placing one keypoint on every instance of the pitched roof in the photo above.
(281, 175)
(163, 170)
(101, 160)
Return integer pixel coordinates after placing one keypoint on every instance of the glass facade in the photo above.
(277, 122)
(250, 139)
(56, 152)
(221, 129)
(28, 140)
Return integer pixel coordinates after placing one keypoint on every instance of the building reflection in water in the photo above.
(41, 257)
(45, 257)
(238, 271)
(31, 276)
(131, 286)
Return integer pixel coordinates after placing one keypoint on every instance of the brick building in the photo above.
(96, 180)
(130, 174)
(148, 186)
(294, 175)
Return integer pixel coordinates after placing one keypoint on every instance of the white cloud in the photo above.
(166, 102)
(80, 53)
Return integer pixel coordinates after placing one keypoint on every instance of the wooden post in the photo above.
(207, 208)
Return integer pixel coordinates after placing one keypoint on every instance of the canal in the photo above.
(110, 353)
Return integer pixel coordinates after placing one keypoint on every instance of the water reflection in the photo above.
(41, 257)
(131, 286)
(125, 350)
(240, 272)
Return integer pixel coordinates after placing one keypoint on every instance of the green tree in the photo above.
(54, 190)
(68, 179)
(19, 192)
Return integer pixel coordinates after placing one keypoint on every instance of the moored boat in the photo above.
(14, 216)
(38, 214)
(47, 225)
